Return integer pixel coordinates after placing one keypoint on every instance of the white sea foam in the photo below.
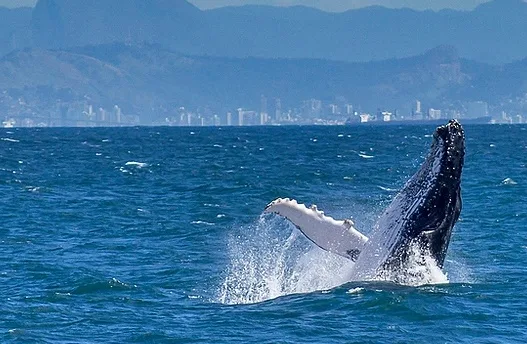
(271, 258)
(199, 222)
(136, 164)
(266, 264)
(355, 290)
(365, 156)
(509, 181)
(386, 189)
(458, 272)
(420, 269)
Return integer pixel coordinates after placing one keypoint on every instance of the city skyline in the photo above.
(217, 62)
(270, 112)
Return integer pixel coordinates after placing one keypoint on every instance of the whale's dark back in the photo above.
(425, 210)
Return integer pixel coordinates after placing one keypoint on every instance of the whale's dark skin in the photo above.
(432, 226)
(418, 220)
(425, 210)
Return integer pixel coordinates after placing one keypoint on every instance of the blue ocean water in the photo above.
(142, 235)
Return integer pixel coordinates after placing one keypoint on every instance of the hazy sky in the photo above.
(17, 3)
(328, 5)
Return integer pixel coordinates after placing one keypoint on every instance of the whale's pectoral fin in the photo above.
(336, 236)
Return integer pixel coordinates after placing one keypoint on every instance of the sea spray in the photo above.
(418, 269)
(270, 258)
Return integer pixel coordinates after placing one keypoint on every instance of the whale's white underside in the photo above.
(336, 236)
(339, 236)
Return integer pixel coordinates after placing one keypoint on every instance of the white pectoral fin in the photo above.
(336, 236)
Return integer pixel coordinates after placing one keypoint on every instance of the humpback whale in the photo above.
(419, 218)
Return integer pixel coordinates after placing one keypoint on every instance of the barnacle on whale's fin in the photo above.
(336, 236)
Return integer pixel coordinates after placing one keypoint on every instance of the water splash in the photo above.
(271, 258)
(136, 164)
(508, 181)
(420, 269)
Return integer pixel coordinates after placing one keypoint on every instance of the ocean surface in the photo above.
(156, 235)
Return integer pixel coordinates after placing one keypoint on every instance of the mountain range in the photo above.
(153, 82)
(153, 57)
(493, 32)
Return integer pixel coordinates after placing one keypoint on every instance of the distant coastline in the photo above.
(479, 120)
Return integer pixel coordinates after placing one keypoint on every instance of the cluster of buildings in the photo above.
(78, 114)
(315, 111)
(101, 117)
(477, 111)
(270, 112)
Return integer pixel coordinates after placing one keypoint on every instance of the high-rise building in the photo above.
(349, 109)
(418, 107)
(101, 115)
(117, 114)
(263, 110)
(263, 118)
(240, 117)
(278, 110)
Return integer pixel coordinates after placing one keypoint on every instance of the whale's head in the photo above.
(425, 210)
(448, 152)
(440, 176)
